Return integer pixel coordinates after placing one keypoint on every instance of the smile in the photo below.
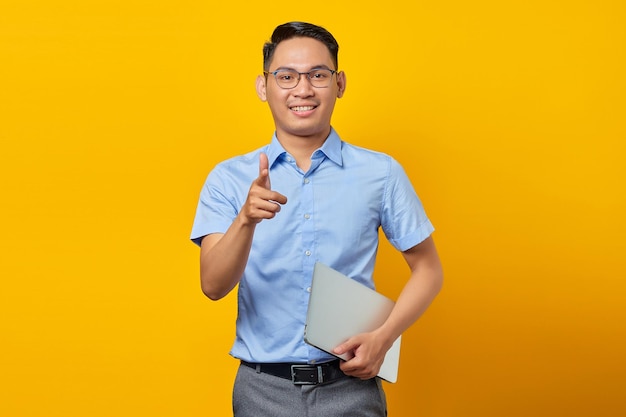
(302, 108)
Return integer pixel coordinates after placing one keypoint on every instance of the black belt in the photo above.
(301, 374)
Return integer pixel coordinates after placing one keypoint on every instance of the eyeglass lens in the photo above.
(289, 78)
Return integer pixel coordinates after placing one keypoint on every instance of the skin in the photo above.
(302, 118)
(301, 132)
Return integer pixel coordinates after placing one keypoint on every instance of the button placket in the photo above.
(308, 231)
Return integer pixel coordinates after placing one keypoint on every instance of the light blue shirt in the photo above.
(333, 214)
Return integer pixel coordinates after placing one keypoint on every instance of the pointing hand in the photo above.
(262, 202)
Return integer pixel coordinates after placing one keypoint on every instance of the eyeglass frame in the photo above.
(300, 74)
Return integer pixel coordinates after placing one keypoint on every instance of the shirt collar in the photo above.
(331, 148)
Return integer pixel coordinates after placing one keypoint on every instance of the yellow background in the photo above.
(508, 117)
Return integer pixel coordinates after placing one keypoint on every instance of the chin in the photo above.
(309, 129)
(307, 133)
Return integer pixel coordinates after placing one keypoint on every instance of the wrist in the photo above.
(385, 334)
(244, 222)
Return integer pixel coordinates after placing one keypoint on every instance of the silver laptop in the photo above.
(340, 308)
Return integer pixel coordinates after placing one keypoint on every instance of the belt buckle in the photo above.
(315, 374)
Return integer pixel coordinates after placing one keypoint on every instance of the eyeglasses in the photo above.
(319, 78)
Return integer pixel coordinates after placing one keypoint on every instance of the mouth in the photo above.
(302, 108)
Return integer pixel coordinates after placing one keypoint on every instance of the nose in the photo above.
(304, 88)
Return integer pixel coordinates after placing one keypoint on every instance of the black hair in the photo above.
(299, 29)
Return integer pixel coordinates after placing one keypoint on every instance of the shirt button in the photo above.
(308, 289)
(307, 216)
(307, 253)
(306, 180)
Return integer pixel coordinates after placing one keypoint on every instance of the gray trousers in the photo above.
(262, 395)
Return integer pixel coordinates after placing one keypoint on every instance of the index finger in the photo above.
(264, 171)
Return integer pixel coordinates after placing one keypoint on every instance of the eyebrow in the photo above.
(313, 68)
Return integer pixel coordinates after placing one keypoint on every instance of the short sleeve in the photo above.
(404, 220)
(215, 212)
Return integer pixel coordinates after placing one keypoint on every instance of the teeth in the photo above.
(302, 108)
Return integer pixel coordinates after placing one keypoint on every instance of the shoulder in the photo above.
(235, 172)
(241, 161)
(354, 154)
(240, 165)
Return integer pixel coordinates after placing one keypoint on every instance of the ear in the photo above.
(341, 83)
(260, 88)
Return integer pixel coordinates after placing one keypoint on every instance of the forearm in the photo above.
(418, 293)
(415, 298)
(223, 259)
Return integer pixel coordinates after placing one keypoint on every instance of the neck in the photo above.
(301, 147)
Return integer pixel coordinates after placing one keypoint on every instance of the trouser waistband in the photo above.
(299, 373)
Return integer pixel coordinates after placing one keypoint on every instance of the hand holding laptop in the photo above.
(343, 319)
(367, 355)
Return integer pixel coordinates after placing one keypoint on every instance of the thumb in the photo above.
(264, 172)
(347, 347)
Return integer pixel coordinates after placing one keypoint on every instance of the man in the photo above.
(325, 202)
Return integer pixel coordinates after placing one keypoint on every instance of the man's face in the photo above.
(303, 111)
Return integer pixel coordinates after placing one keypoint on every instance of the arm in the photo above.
(423, 285)
(223, 257)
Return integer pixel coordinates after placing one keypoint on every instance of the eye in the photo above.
(285, 76)
(320, 74)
